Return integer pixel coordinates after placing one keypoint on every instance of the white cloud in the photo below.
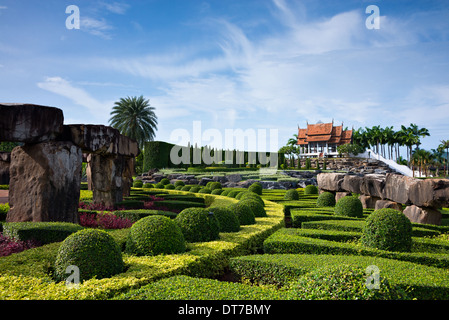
(100, 110)
(97, 27)
(115, 7)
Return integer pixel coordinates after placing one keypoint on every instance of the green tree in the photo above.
(445, 145)
(134, 118)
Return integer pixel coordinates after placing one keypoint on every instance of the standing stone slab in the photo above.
(397, 188)
(29, 123)
(45, 182)
(331, 181)
(106, 178)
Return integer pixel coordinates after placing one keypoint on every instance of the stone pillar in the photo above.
(127, 176)
(106, 178)
(5, 159)
(45, 182)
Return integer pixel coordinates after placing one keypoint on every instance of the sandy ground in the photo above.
(4, 196)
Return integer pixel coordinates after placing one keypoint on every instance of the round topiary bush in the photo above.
(326, 199)
(240, 194)
(256, 207)
(215, 185)
(165, 181)
(291, 194)
(387, 229)
(93, 251)
(138, 184)
(155, 235)
(205, 190)
(198, 225)
(148, 185)
(186, 188)
(256, 187)
(225, 192)
(244, 213)
(159, 186)
(227, 219)
(169, 186)
(233, 193)
(311, 189)
(253, 196)
(195, 189)
(179, 183)
(217, 191)
(349, 206)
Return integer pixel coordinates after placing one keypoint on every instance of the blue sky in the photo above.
(247, 64)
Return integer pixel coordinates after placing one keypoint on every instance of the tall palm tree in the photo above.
(445, 145)
(134, 118)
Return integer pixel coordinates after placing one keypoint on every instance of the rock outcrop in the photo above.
(422, 197)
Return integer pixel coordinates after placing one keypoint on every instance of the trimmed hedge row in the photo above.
(280, 269)
(188, 288)
(291, 241)
(43, 232)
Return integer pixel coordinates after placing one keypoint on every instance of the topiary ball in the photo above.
(169, 186)
(227, 219)
(244, 213)
(155, 235)
(186, 188)
(138, 184)
(233, 193)
(256, 187)
(195, 189)
(165, 181)
(179, 183)
(215, 185)
(387, 229)
(252, 196)
(198, 225)
(291, 194)
(205, 190)
(349, 206)
(225, 192)
(256, 207)
(217, 191)
(326, 199)
(311, 189)
(159, 185)
(93, 251)
(240, 194)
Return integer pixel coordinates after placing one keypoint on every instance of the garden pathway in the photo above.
(4, 196)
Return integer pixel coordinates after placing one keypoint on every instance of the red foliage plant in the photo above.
(9, 246)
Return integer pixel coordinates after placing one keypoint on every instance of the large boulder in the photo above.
(397, 188)
(331, 181)
(352, 183)
(381, 204)
(368, 202)
(45, 182)
(423, 215)
(100, 139)
(29, 123)
(373, 185)
(430, 193)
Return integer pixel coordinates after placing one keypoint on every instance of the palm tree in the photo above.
(134, 118)
(445, 145)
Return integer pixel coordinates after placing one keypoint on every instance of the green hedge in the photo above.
(138, 214)
(43, 232)
(425, 282)
(177, 204)
(157, 155)
(289, 241)
(188, 288)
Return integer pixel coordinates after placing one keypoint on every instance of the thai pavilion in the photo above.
(322, 139)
